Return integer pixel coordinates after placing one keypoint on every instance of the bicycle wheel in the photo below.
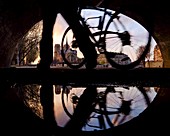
(127, 41)
(113, 106)
(70, 51)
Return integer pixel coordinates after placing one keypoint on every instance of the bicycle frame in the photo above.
(100, 26)
(115, 54)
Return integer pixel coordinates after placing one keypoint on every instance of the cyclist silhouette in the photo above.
(50, 9)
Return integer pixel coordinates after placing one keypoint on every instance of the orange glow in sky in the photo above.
(59, 28)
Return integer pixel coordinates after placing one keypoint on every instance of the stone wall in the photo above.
(18, 16)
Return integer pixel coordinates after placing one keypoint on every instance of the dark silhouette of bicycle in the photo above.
(112, 35)
(112, 105)
(99, 107)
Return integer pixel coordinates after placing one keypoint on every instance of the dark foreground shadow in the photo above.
(14, 113)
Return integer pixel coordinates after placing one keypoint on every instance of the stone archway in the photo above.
(17, 17)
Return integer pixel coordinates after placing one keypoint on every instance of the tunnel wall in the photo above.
(18, 16)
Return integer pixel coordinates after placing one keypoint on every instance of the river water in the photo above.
(113, 105)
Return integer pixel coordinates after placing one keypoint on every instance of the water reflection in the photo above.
(87, 108)
(112, 106)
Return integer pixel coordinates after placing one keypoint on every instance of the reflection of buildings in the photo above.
(119, 102)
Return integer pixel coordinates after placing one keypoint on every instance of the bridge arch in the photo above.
(17, 17)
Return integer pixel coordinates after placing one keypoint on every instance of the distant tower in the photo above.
(157, 54)
(57, 55)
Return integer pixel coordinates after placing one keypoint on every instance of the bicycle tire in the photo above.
(95, 36)
(92, 36)
(64, 53)
(123, 60)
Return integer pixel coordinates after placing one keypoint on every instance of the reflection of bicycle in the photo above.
(122, 46)
(112, 106)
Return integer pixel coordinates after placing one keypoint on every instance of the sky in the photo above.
(131, 25)
(59, 27)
